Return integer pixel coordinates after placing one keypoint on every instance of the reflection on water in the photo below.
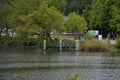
(35, 64)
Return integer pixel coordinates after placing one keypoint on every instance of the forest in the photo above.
(21, 19)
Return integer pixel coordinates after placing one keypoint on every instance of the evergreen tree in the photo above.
(115, 20)
(100, 16)
(77, 6)
(4, 12)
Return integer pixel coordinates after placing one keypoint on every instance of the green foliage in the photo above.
(77, 6)
(27, 28)
(118, 43)
(75, 23)
(47, 18)
(94, 45)
(116, 54)
(115, 20)
(32, 18)
(59, 4)
(19, 42)
(100, 15)
(4, 12)
(56, 40)
(8, 41)
(89, 36)
(54, 43)
(75, 76)
(68, 41)
(29, 17)
(18, 8)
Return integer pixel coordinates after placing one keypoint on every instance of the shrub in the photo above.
(89, 36)
(17, 41)
(75, 76)
(8, 41)
(118, 43)
(94, 45)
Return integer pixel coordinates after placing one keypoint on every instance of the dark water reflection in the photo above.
(35, 64)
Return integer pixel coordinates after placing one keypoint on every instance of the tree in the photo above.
(100, 16)
(59, 4)
(27, 28)
(19, 8)
(115, 20)
(4, 12)
(77, 6)
(76, 23)
(46, 18)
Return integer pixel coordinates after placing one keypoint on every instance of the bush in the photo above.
(56, 41)
(8, 41)
(118, 43)
(31, 42)
(16, 41)
(94, 45)
(89, 36)
(75, 76)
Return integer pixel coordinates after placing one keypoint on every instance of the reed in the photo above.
(94, 45)
(118, 43)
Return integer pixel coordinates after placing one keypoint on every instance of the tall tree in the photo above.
(59, 4)
(76, 23)
(77, 6)
(4, 12)
(115, 20)
(45, 17)
(100, 16)
(18, 8)
(22, 7)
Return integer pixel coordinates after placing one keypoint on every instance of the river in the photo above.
(35, 64)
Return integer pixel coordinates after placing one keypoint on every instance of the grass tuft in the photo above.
(95, 45)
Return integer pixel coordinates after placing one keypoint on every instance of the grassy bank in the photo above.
(118, 43)
(88, 45)
(95, 46)
(19, 42)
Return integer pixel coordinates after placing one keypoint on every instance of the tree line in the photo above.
(28, 17)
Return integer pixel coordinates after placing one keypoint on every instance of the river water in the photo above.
(35, 64)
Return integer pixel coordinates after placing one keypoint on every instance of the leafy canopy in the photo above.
(76, 23)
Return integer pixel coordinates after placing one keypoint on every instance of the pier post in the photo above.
(108, 38)
(100, 37)
(60, 47)
(76, 45)
(44, 45)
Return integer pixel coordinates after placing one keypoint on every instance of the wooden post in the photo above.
(76, 45)
(44, 44)
(60, 45)
(108, 38)
(100, 37)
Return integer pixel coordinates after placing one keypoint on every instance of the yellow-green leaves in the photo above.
(44, 18)
(76, 23)
(47, 17)
(75, 76)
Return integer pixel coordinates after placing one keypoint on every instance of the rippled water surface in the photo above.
(35, 64)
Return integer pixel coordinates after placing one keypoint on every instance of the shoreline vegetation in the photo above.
(85, 45)
(22, 20)
(94, 45)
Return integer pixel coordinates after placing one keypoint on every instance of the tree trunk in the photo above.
(0, 34)
(0, 37)
(7, 31)
(48, 37)
(12, 33)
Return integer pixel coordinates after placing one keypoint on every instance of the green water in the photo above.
(35, 64)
